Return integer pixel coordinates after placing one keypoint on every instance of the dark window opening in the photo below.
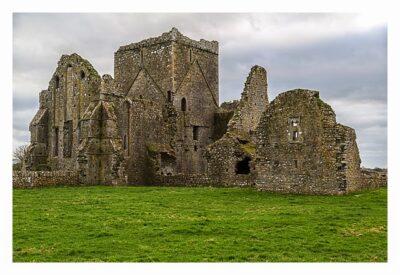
(195, 148)
(68, 139)
(125, 142)
(276, 164)
(195, 132)
(69, 66)
(190, 55)
(295, 135)
(57, 82)
(141, 55)
(83, 75)
(183, 105)
(243, 166)
(55, 142)
(169, 96)
(295, 163)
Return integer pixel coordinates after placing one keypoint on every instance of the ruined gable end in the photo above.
(301, 148)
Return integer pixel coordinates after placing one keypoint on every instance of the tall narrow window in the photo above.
(183, 105)
(190, 55)
(125, 142)
(295, 135)
(55, 142)
(295, 163)
(82, 75)
(169, 96)
(195, 132)
(57, 84)
(67, 139)
(141, 56)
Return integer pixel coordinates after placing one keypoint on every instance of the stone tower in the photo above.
(169, 86)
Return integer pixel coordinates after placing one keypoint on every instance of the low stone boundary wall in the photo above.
(183, 180)
(372, 178)
(44, 178)
(203, 180)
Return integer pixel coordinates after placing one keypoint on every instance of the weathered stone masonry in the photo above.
(159, 122)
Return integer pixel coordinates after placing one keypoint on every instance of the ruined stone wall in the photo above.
(230, 160)
(44, 179)
(75, 83)
(253, 102)
(373, 178)
(142, 126)
(347, 159)
(298, 148)
(100, 157)
(231, 157)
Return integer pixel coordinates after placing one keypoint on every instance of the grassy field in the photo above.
(167, 224)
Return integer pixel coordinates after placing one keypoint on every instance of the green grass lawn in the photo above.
(168, 224)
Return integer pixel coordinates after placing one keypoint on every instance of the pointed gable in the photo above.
(144, 87)
(195, 90)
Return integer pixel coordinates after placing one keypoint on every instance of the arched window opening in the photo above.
(243, 166)
(183, 105)
(57, 84)
(169, 96)
(83, 75)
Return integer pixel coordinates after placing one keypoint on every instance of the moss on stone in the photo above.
(249, 148)
(156, 148)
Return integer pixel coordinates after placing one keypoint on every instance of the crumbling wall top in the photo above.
(74, 58)
(173, 35)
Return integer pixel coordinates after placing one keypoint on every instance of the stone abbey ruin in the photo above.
(159, 122)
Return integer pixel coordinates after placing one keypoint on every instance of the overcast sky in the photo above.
(344, 56)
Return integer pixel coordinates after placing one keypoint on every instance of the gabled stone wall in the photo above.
(301, 148)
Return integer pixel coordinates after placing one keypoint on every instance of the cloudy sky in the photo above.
(344, 56)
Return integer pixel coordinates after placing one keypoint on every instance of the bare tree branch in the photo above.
(20, 153)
